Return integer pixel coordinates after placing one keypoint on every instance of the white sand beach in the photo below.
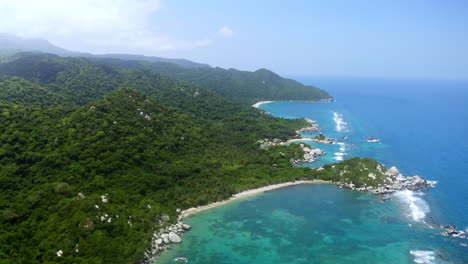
(258, 104)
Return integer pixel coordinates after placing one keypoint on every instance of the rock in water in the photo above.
(174, 238)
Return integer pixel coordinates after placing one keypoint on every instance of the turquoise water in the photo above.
(311, 223)
(422, 126)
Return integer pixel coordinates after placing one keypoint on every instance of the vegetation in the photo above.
(149, 143)
(241, 86)
(356, 171)
(73, 130)
(320, 137)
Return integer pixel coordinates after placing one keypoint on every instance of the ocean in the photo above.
(422, 127)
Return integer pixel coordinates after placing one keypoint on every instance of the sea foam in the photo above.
(413, 205)
(339, 156)
(341, 125)
(423, 256)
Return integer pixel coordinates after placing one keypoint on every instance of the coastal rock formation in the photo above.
(393, 171)
(327, 141)
(451, 230)
(388, 181)
(364, 174)
(322, 139)
(165, 236)
(310, 154)
(174, 238)
(313, 126)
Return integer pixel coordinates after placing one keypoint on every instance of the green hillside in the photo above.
(73, 130)
(137, 137)
(241, 86)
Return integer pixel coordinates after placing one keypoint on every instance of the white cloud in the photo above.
(226, 32)
(99, 25)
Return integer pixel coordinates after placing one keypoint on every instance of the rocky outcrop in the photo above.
(312, 126)
(393, 171)
(327, 141)
(451, 230)
(310, 154)
(174, 238)
(393, 181)
(165, 236)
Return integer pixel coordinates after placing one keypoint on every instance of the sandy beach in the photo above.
(297, 140)
(258, 104)
(245, 194)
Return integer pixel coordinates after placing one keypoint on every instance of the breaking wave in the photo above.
(413, 205)
(341, 125)
(339, 156)
(423, 256)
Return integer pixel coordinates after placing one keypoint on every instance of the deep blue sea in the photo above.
(423, 128)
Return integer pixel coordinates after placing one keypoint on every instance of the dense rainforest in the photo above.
(92, 155)
(240, 86)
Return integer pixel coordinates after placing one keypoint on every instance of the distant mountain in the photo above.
(182, 62)
(11, 44)
(241, 86)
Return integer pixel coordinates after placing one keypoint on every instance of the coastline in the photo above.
(245, 194)
(258, 104)
(296, 140)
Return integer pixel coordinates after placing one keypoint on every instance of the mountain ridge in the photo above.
(241, 86)
(11, 44)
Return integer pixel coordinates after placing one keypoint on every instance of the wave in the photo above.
(423, 256)
(341, 125)
(342, 146)
(414, 206)
(339, 156)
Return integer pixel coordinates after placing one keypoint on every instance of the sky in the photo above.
(416, 39)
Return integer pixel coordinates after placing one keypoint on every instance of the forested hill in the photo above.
(92, 156)
(241, 86)
(149, 143)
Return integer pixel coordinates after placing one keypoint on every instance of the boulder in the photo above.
(165, 218)
(165, 238)
(393, 171)
(186, 227)
(159, 241)
(174, 238)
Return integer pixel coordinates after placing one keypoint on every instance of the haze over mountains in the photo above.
(11, 44)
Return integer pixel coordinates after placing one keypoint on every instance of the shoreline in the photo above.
(245, 194)
(296, 140)
(259, 103)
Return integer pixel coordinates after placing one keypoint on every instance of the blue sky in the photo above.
(394, 39)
